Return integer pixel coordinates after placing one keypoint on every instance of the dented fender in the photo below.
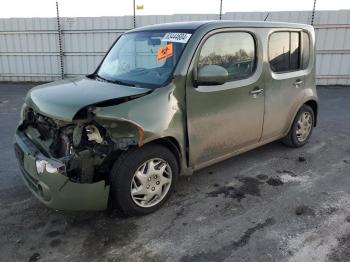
(143, 121)
(123, 132)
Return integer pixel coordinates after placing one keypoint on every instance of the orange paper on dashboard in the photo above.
(165, 52)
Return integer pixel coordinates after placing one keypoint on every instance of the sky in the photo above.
(79, 8)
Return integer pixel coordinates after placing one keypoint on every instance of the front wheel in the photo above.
(301, 128)
(142, 179)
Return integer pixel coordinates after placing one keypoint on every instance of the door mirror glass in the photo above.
(211, 75)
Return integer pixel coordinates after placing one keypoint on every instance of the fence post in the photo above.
(60, 40)
(220, 15)
(134, 13)
(313, 13)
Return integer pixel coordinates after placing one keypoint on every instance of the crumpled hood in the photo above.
(63, 99)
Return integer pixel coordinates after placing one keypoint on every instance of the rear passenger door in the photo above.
(288, 56)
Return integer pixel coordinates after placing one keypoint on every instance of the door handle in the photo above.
(256, 91)
(298, 83)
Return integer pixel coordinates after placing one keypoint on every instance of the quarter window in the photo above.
(285, 52)
(235, 51)
(306, 49)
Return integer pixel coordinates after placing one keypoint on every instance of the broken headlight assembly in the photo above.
(43, 165)
(93, 134)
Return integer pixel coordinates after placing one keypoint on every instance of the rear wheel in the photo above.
(142, 179)
(301, 128)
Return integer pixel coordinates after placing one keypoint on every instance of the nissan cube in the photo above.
(165, 101)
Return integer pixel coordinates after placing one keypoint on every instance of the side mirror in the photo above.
(211, 75)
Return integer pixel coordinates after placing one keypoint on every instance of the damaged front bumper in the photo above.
(55, 189)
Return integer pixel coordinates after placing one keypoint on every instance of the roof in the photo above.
(193, 25)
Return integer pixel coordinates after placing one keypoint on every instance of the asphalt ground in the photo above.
(271, 204)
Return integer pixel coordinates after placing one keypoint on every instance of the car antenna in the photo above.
(267, 16)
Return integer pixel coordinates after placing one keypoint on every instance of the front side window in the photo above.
(145, 58)
(289, 51)
(234, 51)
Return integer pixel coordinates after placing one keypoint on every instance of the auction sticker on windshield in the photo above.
(176, 37)
(165, 52)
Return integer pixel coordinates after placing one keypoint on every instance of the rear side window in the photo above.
(235, 51)
(289, 51)
(279, 52)
(294, 51)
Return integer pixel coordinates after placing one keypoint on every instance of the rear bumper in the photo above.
(55, 190)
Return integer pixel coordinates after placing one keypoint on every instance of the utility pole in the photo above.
(313, 13)
(59, 31)
(134, 13)
(220, 15)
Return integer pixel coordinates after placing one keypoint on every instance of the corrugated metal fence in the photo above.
(29, 49)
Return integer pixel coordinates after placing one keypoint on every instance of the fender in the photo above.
(308, 95)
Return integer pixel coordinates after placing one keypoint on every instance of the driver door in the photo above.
(224, 118)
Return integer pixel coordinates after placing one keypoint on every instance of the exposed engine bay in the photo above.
(83, 145)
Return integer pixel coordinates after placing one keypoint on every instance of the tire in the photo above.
(297, 140)
(132, 172)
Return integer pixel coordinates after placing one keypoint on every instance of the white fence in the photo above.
(29, 49)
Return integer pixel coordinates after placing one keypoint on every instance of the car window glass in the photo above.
(306, 50)
(279, 52)
(142, 58)
(235, 51)
(137, 53)
(294, 51)
(285, 52)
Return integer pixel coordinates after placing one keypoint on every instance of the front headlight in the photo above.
(42, 165)
(24, 110)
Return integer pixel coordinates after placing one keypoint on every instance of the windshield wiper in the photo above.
(118, 82)
(100, 78)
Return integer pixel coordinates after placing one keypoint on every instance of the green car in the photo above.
(166, 100)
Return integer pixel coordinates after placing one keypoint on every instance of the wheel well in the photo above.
(314, 106)
(172, 144)
(168, 142)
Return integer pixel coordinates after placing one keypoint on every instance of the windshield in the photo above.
(145, 58)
